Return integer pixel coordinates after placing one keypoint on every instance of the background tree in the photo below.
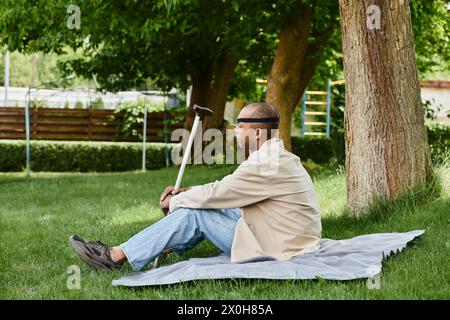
(305, 32)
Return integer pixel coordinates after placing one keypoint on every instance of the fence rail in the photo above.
(77, 124)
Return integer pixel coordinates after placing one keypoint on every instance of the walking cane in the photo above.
(199, 113)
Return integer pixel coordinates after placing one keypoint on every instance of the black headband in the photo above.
(258, 120)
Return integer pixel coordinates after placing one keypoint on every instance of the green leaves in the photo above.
(124, 43)
(431, 26)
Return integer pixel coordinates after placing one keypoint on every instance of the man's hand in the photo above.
(167, 194)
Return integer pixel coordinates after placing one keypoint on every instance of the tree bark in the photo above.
(386, 144)
(219, 91)
(201, 87)
(210, 89)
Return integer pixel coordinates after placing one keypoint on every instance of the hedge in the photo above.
(321, 149)
(439, 141)
(317, 149)
(82, 156)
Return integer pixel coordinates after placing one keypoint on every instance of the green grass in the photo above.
(38, 214)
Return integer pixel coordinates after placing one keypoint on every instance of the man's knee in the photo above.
(187, 213)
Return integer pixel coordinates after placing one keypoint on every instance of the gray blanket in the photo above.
(358, 257)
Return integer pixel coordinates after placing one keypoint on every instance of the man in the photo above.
(267, 207)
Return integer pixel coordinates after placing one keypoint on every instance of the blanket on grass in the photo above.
(358, 257)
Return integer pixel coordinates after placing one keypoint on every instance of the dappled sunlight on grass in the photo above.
(444, 173)
(139, 214)
(333, 185)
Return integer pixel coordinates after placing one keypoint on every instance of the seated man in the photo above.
(266, 207)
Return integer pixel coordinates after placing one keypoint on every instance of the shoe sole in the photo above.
(80, 249)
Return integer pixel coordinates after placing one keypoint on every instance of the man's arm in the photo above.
(239, 189)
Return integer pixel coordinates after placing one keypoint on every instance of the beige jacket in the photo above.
(280, 214)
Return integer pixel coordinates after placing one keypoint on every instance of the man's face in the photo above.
(246, 133)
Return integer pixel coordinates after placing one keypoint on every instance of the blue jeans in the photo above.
(182, 230)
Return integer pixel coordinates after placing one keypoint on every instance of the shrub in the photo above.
(320, 149)
(315, 169)
(60, 156)
(133, 115)
(79, 105)
(317, 149)
(97, 104)
(439, 141)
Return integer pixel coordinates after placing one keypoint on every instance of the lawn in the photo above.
(39, 213)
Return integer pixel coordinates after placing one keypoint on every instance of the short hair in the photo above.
(265, 110)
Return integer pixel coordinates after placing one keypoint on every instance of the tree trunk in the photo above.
(201, 87)
(211, 95)
(386, 143)
(283, 82)
(219, 91)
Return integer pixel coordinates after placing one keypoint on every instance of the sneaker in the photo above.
(95, 253)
